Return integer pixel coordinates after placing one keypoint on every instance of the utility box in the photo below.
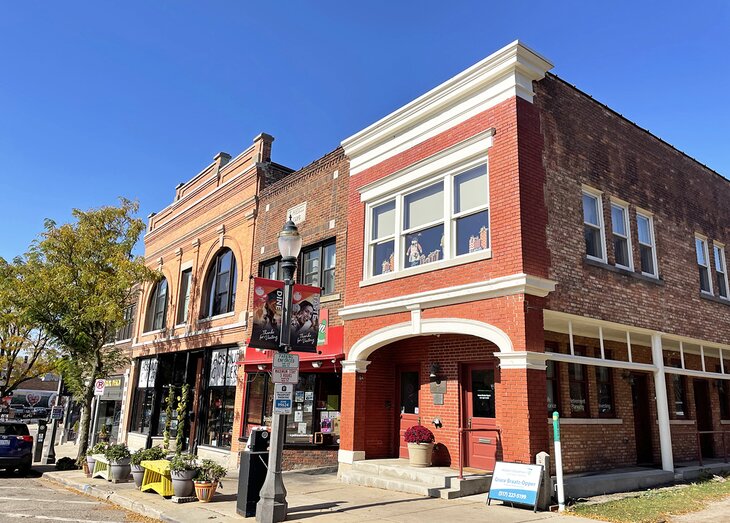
(252, 472)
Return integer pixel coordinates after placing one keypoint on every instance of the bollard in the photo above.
(546, 493)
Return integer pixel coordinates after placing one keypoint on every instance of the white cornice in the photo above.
(503, 286)
(502, 75)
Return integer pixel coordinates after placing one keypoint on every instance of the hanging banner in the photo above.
(323, 324)
(305, 318)
(268, 302)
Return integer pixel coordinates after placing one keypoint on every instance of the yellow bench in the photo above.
(157, 477)
(101, 467)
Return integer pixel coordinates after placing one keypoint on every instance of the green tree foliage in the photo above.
(84, 276)
(26, 351)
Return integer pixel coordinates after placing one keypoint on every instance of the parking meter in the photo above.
(40, 440)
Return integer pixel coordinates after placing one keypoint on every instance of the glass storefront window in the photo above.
(220, 397)
(144, 397)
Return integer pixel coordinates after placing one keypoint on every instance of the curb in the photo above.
(110, 496)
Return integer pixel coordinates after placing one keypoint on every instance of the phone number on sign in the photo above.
(511, 495)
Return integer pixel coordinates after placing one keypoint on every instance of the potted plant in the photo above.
(141, 455)
(420, 445)
(182, 471)
(99, 448)
(119, 458)
(207, 479)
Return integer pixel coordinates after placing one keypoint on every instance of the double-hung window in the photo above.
(155, 318)
(720, 269)
(318, 266)
(703, 265)
(593, 225)
(441, 219)
(621, 236)
(184, 302)
(647, 249)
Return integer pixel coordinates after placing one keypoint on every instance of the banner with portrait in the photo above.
(268, 303)
(305, 318)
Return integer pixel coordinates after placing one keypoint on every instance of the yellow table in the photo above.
(101, 467)
(157, 477)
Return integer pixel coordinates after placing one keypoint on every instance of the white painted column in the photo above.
(662, 405)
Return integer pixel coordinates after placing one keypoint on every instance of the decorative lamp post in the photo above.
(272, 505)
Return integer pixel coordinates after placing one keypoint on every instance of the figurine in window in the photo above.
(414, 252)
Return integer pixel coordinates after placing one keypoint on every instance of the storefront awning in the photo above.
(331, 350)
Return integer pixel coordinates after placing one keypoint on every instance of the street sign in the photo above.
(285, 368)
(57, 412)
(283, 398)
(99, 386)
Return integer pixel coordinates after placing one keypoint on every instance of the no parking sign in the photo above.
(99, 386)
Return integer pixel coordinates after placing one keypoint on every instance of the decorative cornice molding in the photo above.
(359, 366)
(504, 286)
(507, 73)
(521, 360)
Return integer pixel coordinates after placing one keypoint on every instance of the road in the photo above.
(29, 499)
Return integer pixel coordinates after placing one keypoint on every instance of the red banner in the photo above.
(268, 302)
(305, 318)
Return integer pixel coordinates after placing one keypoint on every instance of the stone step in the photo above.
(425, 475)
(366, 479)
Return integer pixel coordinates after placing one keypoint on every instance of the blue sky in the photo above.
(101, 99)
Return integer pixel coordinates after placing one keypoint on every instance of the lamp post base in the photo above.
(272, 505)
(270, 511)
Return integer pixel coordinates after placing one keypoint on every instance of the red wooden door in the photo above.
(409, 385)
(480, 446)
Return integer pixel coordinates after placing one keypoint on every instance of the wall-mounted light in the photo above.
(317, 364)
(261, 366)
(433, 371)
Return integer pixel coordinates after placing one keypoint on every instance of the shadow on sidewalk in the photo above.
(294, 512)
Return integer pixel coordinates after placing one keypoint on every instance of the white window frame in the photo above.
(627, 227)
(719, 247)
(449, 219)
(652, 238)
(708, 267)
(597, 195)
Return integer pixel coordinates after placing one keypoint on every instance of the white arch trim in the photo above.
(364, 347)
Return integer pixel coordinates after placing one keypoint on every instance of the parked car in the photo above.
(16, 446)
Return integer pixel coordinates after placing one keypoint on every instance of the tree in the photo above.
(26, 351)
(84, 276)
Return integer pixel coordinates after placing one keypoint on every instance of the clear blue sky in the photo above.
(102, 99)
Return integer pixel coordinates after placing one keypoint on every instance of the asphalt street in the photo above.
(32, 499)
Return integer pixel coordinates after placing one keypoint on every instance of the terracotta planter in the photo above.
(205, 490)
(85, 466)
(419, 454)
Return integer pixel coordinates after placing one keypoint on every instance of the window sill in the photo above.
(716, 299)
(589, 421)
(638, 275)
(725, 422)
(330, 297)
(156, 331)
(218, 317)
(434, 266)
(681, 422)
(219, 450)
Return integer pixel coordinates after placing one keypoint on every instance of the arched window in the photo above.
(220, 285)
(157, 307)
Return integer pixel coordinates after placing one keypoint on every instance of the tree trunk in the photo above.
(86, 413)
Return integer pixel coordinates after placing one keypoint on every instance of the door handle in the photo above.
(469, 424)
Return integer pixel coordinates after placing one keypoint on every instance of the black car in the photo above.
(16, 446)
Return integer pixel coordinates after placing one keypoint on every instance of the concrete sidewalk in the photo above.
(320, 497)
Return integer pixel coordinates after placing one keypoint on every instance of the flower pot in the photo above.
(205, 490)
(90, 462)
(419, 454)
(137, 474)
(85, 466)
(119, 470)
(182, 483)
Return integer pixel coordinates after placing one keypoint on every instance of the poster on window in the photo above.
(305, 318)
(268, 301)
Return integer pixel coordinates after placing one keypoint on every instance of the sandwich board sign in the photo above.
(283, 398)
(516, 483)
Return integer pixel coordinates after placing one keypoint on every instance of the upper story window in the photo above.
(155, 318)
(647, 248)
(593, 225)
(220, 285)
(621, 236)
(271, 270)
(720, 269)
(184, 301)
(125, 333)
(703, 265)
(318, 266)
(442, 219)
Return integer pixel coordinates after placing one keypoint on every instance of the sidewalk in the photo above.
(319, 497)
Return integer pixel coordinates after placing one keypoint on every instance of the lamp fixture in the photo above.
(261, 366)
(317, 364)
(434, 370)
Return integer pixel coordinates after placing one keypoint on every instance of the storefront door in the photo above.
(478, 400)
(409, 385)
(704, 416)
(195, 378)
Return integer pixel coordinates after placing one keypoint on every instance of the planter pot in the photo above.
(205, 490)
(85, 466)
(419, 454)
(90, 462)
(119, 470)
(182, 483)
(137, 474)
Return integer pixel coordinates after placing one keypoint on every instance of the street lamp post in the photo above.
(272, 505)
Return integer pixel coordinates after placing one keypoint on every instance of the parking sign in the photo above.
(99, 386)
(283, 398)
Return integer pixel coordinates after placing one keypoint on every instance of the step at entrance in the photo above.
(399, 476)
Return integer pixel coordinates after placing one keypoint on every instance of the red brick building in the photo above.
(516, 247)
